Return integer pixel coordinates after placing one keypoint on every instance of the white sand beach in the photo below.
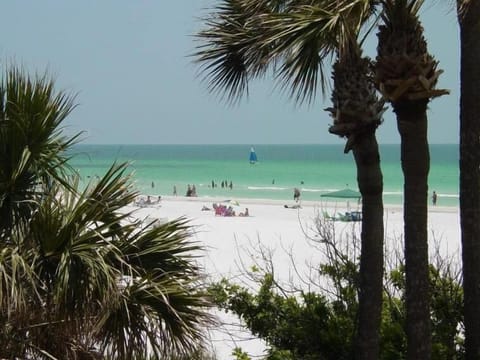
(283, 233)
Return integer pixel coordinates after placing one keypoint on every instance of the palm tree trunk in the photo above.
(415, 158)
(470, 173)
(370, 183)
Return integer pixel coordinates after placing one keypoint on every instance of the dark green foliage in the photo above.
(240, 355)
(446, 304)
(304, 326)
(288, 323)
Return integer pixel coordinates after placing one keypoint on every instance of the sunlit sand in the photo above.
(232, 244)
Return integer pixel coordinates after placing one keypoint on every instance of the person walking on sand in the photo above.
(434, 198)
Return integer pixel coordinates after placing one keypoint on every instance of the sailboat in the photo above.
(253, 156)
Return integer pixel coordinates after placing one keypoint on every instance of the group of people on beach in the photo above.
(223, 210)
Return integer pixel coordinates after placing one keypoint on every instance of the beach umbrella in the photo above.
(232, 202)
(343, 194)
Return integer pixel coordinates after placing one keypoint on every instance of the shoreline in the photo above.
(341, 203)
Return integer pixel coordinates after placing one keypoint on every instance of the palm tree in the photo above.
(468, 18)
(356, 117)
(294, 38)
(79, 277)
(406, 75)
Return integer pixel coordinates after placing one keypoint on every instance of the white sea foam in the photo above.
(273, 188)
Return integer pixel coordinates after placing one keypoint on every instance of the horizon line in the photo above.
(239, 144)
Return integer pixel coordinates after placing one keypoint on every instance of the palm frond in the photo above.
(462, 8)
(73, 235)
(401, 11)
(224, 53)
(32, 148)
(244, 38)
(162, 248)
(19, 285)
(158, 314)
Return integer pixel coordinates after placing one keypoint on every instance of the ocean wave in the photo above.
(455, 196)
(273, 188)
(312, 190)
(400, 193)
(278, 188)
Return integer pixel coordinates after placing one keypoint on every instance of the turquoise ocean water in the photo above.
(315, 169)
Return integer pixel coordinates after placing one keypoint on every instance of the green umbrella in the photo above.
(344, 194)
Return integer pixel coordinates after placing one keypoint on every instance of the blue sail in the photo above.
(253, 156)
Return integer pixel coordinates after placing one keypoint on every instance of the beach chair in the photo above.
(219, 210)
(140, 202)
(342, 217)
(356, 216)
(327, 216)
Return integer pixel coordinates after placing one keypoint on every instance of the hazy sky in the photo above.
(128, 62)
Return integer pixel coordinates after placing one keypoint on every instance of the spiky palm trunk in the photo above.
(406, 76)
(370, 182)
(469, 20)
(415, 159)
(357, 113)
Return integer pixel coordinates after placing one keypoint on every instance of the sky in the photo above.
(129, 65)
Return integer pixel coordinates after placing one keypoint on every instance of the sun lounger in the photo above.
(327, 216)
(350, 216)
(220, 210)
(346, 217)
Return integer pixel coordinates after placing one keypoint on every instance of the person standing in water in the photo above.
(296, 194)
(434, 198)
